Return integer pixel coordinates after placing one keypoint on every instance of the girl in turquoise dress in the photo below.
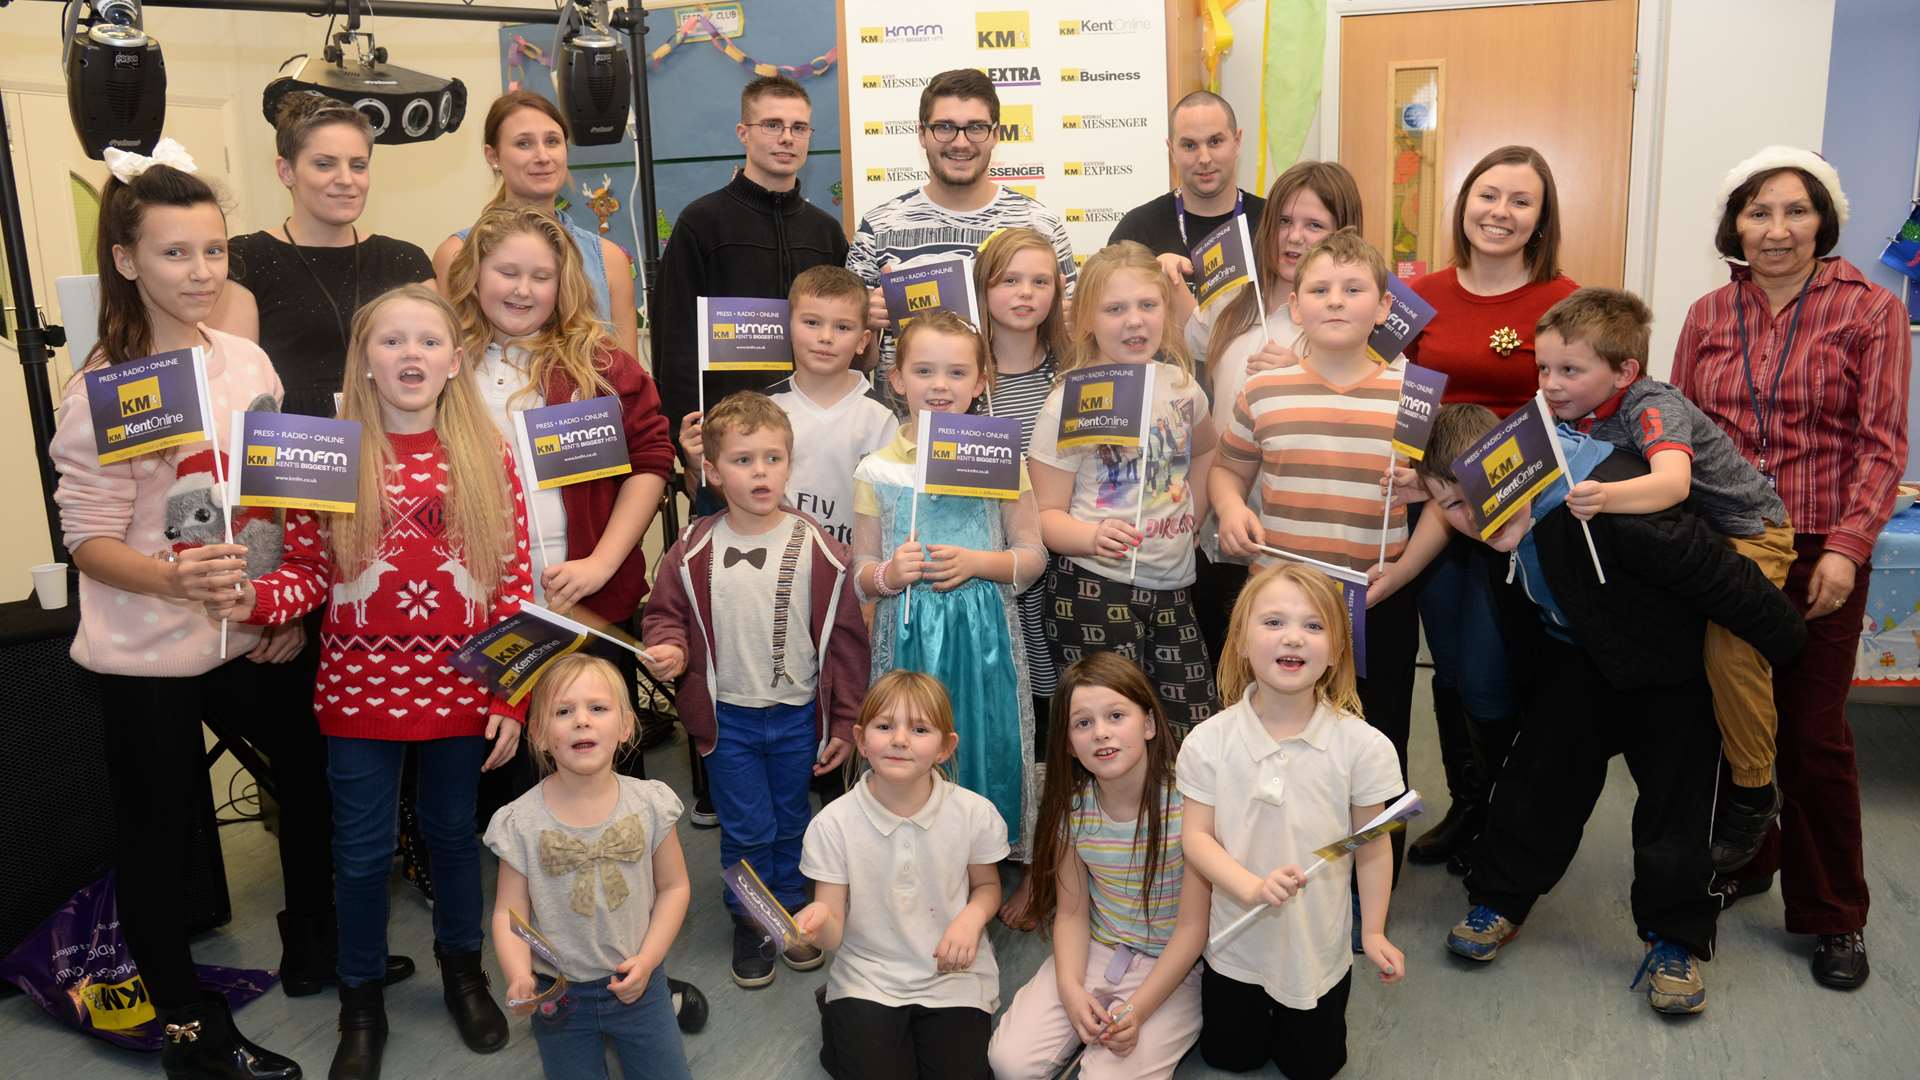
(963, 560)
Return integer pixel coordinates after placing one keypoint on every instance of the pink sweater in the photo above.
(124, 633)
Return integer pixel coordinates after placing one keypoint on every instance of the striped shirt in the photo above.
(1021, 396)
(912, 228)
(1116, 859)
(1322, 450)
(1837, 430)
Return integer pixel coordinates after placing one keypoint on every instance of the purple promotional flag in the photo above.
(510, 656)
(1420, 391)
(1409, 316)
(960, 454)
(294, 462)
(930, 287)
(573, 442)
(143, 406)
(1106, 405)
(758, 902)
(1511, 464)
(1223, 260)
(743, 333)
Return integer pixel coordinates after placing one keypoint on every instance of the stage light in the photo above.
(590, 76)
(402, 106)
(116, 80)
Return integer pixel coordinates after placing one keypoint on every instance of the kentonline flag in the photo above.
(147, 405)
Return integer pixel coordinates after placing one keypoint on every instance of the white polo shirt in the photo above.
(906, 880)
(1273, 804)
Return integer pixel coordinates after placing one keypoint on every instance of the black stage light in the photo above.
(402, 106)
(591, 80)
(116, 80)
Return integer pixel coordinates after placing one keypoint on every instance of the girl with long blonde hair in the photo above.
(434, 553)
(1117, 585)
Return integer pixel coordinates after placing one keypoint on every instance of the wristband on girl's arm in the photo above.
(880, 586)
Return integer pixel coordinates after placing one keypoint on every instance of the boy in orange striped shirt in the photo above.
(1312, 441)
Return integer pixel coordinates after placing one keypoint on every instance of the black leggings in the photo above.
(157, 763)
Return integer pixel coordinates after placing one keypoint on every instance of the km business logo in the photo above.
(1002, 30)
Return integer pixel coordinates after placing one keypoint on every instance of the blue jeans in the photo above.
(758, 772)
(365, 777)
(1463, 632)
(646, 1038)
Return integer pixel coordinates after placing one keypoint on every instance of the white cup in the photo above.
(50, 584)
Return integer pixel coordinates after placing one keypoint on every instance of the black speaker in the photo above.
(116, 88)
(592, 85)
(402, 106)
(54, 793)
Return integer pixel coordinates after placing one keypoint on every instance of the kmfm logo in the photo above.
(1016, 123)
(140, 395)
(1002, 30)
(1096, 397)
(904, 33)
(262, 457)
(946, 451)
(924, 296)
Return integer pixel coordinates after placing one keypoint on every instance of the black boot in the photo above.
(483, 1027)
(310, 952)
(1462, 819)
(363, 1033)
(202, 1044)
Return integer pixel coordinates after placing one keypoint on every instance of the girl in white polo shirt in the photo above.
(1286, 769)
(905, 878)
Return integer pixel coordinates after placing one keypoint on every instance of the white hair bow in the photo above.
(125, 164)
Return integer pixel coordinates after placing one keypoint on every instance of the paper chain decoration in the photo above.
(819, 65)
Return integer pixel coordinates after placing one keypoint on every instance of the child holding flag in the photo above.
(1120, 519)
(944, 569)
(1604, 669)
(1314, 439)
(434, 553)
(1287, 767)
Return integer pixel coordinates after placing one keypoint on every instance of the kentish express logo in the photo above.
(1095, 168)
(1002, 30)
(902, 34)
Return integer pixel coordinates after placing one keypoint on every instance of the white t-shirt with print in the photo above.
(828, 443)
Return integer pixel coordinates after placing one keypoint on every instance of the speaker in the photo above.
(592, 85)
(116, 89)
(402, 106)
(54, 792)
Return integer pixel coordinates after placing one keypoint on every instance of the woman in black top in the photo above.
(294, 288)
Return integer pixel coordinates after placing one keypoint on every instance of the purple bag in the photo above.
(77, 967)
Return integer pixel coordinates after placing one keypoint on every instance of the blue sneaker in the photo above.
(1480, 935)
(1673, 979)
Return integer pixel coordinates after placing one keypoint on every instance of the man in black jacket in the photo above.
(1605, 669)
(750, 238)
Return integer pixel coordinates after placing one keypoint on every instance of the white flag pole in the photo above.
(219, 470)
(1386, 511)
(525, 446)
(923, 445)
(1140, 505)
(1253, 277)
(1560, 459)
(1399, 808)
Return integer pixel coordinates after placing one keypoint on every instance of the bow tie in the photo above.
(624, 841)
(756, 558)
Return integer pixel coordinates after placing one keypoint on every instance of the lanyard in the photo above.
(1180, 215)
(1786, 352)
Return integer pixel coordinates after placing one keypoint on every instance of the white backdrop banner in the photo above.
(1083, 99)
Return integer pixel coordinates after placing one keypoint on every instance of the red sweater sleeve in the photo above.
(306, 568)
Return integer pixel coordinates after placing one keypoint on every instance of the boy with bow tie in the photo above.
(755, 606)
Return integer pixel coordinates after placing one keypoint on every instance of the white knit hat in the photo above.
(1784, 157)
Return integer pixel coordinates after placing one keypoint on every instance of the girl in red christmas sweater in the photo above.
(436, 553)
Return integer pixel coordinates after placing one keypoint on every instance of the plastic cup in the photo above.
(50, 584)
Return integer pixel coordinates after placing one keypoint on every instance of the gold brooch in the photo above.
(1504, 341)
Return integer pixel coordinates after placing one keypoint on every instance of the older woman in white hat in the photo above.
(1804, 363)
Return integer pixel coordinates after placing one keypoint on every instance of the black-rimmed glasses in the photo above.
(942, 131)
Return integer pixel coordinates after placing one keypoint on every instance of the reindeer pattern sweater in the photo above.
(391, 630)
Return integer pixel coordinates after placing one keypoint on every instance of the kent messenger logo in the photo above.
(890, 127)
(1002, 30)
(894, 175)
(140, 395)
(1092, 213)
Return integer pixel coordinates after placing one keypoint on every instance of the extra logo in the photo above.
(1089, 75)
(1096, 397)
(1094, 213)
(1002, 30)
(1103, 27)
(1095, 168)
(1016, 123)
(1092, 121)
(1213, 259)
(892, 82)
(902, 34)
(924, 296)
(890, 127)
(140, 395)
(1013, 76)
(895, 175)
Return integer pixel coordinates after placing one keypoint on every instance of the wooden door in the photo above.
(1425, 95)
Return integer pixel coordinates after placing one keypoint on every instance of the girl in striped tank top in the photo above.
(1312, 441)
(1127, 917)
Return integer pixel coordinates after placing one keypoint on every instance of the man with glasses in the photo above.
(1203, 142)
(750, 238)
(959, 207)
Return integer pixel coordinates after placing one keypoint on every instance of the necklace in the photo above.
(340, 318)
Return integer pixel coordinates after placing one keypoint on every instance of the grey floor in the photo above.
(1556, 1004)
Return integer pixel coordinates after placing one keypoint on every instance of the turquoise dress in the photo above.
(968, 638)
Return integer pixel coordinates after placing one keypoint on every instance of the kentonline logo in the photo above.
(905, 32)
(1095, 27)
(1093, 213)
(1090, 75)
(892, 82)
(1095, 168)
(1092, 121)
(1002, 30)
(891, 127)
(1013, 76)
(895, 175)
